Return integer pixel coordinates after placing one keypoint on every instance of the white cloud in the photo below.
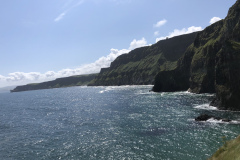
(160, 23)
(156, 33)
(137, 43)
(21, 78)
(214, 20)
(178, 32)
(70, 4)
(60, 17)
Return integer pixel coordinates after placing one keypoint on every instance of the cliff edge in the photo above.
(211, 64)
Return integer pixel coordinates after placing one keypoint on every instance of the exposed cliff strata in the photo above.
(211, 64)
(177, 79)
(141, 65)
(58, 83)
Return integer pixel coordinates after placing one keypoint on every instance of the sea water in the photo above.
(104, 123)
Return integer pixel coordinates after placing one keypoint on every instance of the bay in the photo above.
(125, 122)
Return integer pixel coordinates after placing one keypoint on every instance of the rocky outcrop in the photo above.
(195, 70)
(140, 66)
(205, 117)
(80, 80)
(211, 64)
(227, 68)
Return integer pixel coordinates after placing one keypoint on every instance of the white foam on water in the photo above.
(212, 120)
(182, 93)
(205, 107)
(107, 89)
(177, 93)
(208, 107)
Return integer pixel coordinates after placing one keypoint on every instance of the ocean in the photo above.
(108, 123)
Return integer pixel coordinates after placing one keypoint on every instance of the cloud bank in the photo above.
(138, 43)
(178, 32)
(214, 20)
(21, 78)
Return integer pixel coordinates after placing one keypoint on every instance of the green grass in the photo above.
(229, 151)
(235, 45)
(34, 84)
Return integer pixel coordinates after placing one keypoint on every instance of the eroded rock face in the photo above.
(140, 66)
(227, 69)
(211, 64)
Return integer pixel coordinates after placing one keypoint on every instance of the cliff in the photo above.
(195, 69)
(80, 80)
(140, 66)
(211, 64)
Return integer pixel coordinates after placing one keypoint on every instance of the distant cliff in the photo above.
(141, 65)
(211, 64)
(80, 80)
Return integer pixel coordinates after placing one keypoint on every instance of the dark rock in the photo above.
(203, 117)
(171, 81)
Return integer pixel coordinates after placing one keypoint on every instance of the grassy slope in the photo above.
(229, 151)
(141, 65)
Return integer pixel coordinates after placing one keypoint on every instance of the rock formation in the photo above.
(141, 65)
(211, 64)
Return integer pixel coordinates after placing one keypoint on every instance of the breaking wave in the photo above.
(205, 107)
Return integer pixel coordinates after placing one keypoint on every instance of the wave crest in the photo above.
(205, 107)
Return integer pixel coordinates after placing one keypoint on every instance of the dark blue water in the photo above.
(109, 123)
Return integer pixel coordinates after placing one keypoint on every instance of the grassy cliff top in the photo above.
(229, 151)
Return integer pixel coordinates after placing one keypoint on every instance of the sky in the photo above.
(42, 40)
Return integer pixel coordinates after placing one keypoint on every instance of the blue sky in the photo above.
(41, 40)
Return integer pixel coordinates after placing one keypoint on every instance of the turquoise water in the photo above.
(94, 123)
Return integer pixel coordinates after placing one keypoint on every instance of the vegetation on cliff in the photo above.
(229, 151)
(81, 80)
(140, 66)
(211, 64)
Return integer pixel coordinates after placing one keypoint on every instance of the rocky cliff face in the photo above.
(141, 65)
(227, 69)
(58, 83)
(211, 64)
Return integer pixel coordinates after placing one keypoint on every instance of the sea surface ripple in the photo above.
(94, 123)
